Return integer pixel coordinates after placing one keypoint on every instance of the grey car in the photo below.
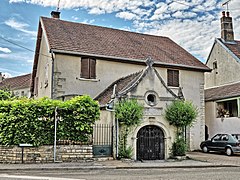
(227, 143)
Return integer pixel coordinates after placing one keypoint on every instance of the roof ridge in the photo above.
(98, 26)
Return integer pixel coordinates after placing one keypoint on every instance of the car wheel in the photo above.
(205, 149)
(229, 151)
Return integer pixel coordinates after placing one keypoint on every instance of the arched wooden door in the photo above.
(150, 143)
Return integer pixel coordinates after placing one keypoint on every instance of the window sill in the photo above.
(85, 79)
(173, 87)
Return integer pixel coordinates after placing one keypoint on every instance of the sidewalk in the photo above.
(194, 160)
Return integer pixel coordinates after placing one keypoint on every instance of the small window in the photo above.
(36, 86)
(215, 65)
(88, 68)
(151, 98)
(173, 78)
(46, 75)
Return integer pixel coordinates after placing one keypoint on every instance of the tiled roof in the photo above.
(235, 48)
(104, 97)
(17, 82)
(222, 92)
(107, 42)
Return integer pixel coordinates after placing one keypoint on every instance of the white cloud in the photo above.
(177, 7)
(5, 50)
(126, 15)
(19, 26)
(193, 24)
(183, 14)
(96, 10)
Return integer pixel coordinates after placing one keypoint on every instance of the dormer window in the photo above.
(88, 68)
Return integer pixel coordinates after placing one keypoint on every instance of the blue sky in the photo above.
(193, 24)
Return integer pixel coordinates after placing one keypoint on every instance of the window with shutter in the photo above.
(173, 78)
(88, 68)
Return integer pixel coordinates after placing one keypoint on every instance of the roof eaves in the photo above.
(221, 98)
(206, 69)
(228, 50)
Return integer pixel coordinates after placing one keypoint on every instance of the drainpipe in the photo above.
(52, 78)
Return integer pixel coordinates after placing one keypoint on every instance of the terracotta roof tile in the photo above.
(17, 82)
(235, 48)
(102, 41)
(222, 92)
(104, 97)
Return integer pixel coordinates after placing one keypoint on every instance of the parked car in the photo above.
(228, 143)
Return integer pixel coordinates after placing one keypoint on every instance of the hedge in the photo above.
(32, 121)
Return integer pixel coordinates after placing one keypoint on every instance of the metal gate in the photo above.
(150, 143)
(102, 140)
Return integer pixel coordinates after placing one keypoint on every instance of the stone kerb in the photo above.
(44, 154)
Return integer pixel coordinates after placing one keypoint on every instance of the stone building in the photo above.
(76, 59)
(222, 94)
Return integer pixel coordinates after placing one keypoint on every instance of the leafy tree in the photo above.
(129, 113)
(180, 114)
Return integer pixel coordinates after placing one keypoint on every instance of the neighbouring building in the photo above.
(222, 84)
(19, 85)
(107, 64)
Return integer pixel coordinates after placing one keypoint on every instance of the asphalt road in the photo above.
(221, 173)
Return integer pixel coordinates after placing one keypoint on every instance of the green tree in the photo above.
(180, 114)
(129, 113)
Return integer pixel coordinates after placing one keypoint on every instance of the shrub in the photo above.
(179, 147)
(32, 121)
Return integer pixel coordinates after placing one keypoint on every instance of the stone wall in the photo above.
(44, 154)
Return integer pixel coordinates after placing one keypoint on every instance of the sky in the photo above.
(193, 24)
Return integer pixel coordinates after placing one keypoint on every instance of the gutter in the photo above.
(52, 74)
(130, 60)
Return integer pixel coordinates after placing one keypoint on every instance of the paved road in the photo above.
(216, 158)
(221, 173)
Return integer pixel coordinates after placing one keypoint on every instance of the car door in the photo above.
(221, 144)
(213, 145)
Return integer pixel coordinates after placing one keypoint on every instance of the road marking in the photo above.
(35, 177)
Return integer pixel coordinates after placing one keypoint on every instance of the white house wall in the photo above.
(220, 125)
(227, 67)
(44, 89)
(68, 69)
(192, 83)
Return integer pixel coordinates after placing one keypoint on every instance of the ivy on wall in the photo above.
(32, 121)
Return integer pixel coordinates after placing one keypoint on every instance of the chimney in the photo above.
(55, 14)
(226, 27)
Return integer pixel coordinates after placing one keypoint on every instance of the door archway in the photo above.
(150, 143)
